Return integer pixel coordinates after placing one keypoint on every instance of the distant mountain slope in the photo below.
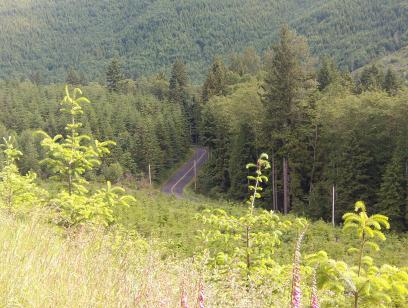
(355, 31)
(398, 61)
(49, 35)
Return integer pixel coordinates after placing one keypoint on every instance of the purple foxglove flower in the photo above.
(314, 302)
(201, 296)
(296, 288)
(183, 302)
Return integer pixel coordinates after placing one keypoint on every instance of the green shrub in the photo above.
(113, 172)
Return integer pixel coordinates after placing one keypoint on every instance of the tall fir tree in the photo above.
(72, 77)
(391, 82)
(178, 82)
(392, 194)
(215, 84)
(286, 84)
(351, 175)
(208, 128)
(114, 75)
(327, 73)
(243, 151)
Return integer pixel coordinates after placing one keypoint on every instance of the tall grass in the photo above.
(42, 268)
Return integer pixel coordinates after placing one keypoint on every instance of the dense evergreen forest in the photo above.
(41, 39)
(147, 130)
(326, 132)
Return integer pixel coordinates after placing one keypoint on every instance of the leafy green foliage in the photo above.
(18, 192)
(366, 283)
(113, 172)
(246, 243)
(97, 208)
(69, 158)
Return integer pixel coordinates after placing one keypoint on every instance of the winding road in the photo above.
(185, 174)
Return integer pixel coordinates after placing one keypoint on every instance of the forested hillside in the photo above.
(398, 61)
(146, 129)
(41, 39)
(329, 136)
(301, 202)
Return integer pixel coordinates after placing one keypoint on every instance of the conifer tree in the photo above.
(371, 78)
(208, 128)
(216, 176)
(391, 82)
(351, 175)
(72, 78)
(392, 195)
(71, 156)
(285, 85)
(215, 83)
(243, 151)
(178, 82)
(327, 74)
(114, 75)
(17, 191)
(30, 160)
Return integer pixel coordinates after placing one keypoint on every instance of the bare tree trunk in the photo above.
(406, 184)
(314, 160)
(274, 198)
(333, 202)
(285, 186)
(275, 183)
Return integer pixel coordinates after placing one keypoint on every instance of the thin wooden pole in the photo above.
(285, 186)
(195, 175)
(274, 203)
(333, 202)
(150, 175)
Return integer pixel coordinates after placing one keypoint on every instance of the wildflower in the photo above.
(296, 289)
(201, 296)
(314, 302)
(183, 302)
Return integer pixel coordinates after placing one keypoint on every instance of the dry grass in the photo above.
(42, 268)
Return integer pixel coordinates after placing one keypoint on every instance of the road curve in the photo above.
(185, 174)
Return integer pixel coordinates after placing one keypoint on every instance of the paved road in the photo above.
(185, 174)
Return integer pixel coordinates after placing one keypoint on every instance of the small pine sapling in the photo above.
(69, 159)
(368, 284)
(367, 228)
(245, 243)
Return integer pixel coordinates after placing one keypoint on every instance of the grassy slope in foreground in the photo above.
(43, 266)
(173, 221)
